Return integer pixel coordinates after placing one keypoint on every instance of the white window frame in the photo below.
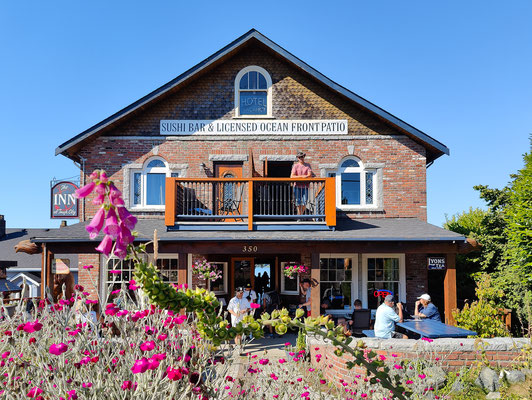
(354, 275)
(144, 174)
(402, 274)
(362, 169)
(104, 269)
(283, 277)
(225, 269)
(166, 256)
(268, 90)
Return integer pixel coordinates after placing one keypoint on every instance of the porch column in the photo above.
(182, 268)
(449, 288)
(315, 293)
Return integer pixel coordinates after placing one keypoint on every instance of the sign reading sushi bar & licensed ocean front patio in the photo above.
(254, 127)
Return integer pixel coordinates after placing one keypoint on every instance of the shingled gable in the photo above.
(69, 149)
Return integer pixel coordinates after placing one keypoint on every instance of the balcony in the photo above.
(250, 204)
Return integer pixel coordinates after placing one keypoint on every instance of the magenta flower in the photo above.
(125, 235)
(84, 191)
(88, 266)
(31, 327)
(111, 224)
(264, 361)
(96, 224)
(254, 305)
(58, 349)
(115, 196)
(140, 366)
(120, 249)
(106, 245)
(72, 394)
(129, 220)
(103, 177)
(132, 285)
(174, 374)
(127, 385)
(34, 392)
(147, 346)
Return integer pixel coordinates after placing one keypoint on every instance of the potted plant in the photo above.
(292, 270)
(206, 271)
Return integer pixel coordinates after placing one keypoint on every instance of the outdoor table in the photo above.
(434, 329)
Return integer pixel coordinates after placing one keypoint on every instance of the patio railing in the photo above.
(250, 201)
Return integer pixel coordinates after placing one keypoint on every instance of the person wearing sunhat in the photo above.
(425, 309)
(238, 307)
(301, 169)
(386, 318)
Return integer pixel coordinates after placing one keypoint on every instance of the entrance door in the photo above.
(242, 271)
(229, 195)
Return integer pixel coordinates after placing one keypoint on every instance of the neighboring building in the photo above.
(19, 264)
(206, 160)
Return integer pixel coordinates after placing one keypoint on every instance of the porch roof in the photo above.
(374, 229)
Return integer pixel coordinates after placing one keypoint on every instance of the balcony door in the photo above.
(242, 271)
(229, 195)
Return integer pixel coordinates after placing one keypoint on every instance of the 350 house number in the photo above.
(250, 249)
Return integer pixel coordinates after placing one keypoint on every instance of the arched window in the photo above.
(148, 186)
(253, 92)
(356, 185)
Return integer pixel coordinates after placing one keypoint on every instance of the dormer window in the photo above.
(253, 93)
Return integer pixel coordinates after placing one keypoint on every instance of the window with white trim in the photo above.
(289, 285)
(167, 264)
(383, 274)
(357, 187)
(148, 184)
(253, 93)
(219, 286)
(338, 281)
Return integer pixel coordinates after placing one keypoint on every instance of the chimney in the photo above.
(63, 223)
(2, 226)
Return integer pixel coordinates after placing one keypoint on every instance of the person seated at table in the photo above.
(425, 309)
(358, 306)
(386, 317)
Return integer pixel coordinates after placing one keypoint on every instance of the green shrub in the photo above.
(484, 316)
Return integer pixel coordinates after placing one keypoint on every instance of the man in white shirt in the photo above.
(385, 319)
(238, 308)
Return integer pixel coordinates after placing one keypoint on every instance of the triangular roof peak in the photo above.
(69, 148)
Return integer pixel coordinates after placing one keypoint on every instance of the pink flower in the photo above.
(96, 224)
(422, 376)
(153, 363)
(282, 361)
(84, 191)
(132, 285)
(323, 381)
(273, 376)
(58, 349)
(174, 374)
(127, 219)
(103, 177)
(147, 346)
(100, 191)
(88, 266)
(111, 224)
(264, 361)
(31, 327)
(140, 366)
(125, 235)
(106, 245)
(120, 249)
(254, 305)
(409, 382)
(115, 196)
(72, 395)
(126, 385)
(34, 392)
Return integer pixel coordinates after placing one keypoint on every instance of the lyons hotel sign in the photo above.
(254, 127)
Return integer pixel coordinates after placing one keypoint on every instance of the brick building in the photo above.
(206, 161)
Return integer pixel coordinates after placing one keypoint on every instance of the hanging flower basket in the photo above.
(291, 271)
(206, 270)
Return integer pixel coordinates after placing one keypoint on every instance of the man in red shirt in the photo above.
(301, 169)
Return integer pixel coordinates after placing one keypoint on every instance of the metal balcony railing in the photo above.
(250, 200)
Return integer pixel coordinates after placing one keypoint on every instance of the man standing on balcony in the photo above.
(301, 169)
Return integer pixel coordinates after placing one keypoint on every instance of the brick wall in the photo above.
(450, 354)
(89, 278)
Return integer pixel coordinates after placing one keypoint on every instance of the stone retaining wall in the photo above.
(450, 354)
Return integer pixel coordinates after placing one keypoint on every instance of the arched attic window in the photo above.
(253, 93)
(356, 185)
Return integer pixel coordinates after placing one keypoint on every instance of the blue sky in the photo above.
(458, 70)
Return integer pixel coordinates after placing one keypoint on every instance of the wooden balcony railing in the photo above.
(250, 200)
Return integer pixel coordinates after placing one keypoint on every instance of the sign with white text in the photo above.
(63, 202)
(254, 127)
(436, 263)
